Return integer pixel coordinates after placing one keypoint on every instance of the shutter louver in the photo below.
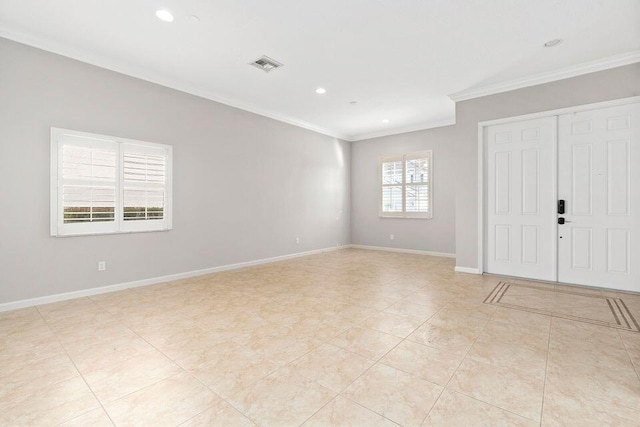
(88, 184)
(417, 179)
(392, 172)
(417, 198)
(392, 199)
(144, 186)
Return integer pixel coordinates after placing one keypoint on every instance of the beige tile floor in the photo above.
(349, 337)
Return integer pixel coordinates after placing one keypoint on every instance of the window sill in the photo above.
(111, 232)
(403, 217)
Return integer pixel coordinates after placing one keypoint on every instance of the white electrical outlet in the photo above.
(391, 237)
(297, 240)
(102, 265)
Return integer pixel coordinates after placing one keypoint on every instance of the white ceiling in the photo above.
(400, 59)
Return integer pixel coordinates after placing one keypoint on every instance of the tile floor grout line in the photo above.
(375, 362)
(446, 387)
(205, 385)
(546, 369)
(170, 376)
(344, 388)
(212, 406)
(626, 348)
(463, 360)
(288, 365)
(198, 380)
(77, 370)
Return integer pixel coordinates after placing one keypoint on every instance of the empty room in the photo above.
(320, 213)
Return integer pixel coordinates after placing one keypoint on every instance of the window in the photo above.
(405, 185)
(102, 184)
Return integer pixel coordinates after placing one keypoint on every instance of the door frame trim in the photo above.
(482, 151)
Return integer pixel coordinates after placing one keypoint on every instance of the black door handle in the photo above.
(560, 221)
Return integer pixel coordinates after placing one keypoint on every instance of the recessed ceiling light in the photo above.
(164, 15)
(321, 90)
(552, 43)
(385, 121)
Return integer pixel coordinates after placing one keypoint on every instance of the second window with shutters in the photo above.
(102, 184)
(406, 185)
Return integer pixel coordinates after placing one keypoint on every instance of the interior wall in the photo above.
(455, 225)
(245, 186)
(621, 82)
(434, 235)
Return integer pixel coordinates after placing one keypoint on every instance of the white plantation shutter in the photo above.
(101, 184)
(392, 198)
(392, 172)
(405, 187)
(417, 174)
(86, 185)
(144, 186)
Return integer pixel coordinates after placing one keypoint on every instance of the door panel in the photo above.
(581, 188)
(530, 179)
(530, 244)
(520, 205)
(599, 177)
(581, 248)
(618, 175)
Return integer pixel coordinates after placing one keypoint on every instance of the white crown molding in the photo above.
(405, 129)
(404, 251)
(14, 305)
(551, 76)
(139, 73)
(133, 71)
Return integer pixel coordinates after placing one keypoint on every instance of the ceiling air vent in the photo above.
(266, 64)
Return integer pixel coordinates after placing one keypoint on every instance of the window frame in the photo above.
(428, 154)
(59, 138)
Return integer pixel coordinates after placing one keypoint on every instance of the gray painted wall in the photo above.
(244, 185)
(436, 234)
(261, 182)
(606, 85)
(457, 148)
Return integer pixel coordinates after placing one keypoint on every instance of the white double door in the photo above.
(591, 161)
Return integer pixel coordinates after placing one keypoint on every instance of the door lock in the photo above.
(561, 207)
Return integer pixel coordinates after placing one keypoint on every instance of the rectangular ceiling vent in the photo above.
(266, 64)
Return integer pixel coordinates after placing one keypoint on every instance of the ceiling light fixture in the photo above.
(552, 43)
(385, 121)
(164, 15)
(321, 91)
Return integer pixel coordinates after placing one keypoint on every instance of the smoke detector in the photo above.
(266, 64)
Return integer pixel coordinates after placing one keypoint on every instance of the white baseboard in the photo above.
(406, 251)
(467, 270)
(14, 305)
